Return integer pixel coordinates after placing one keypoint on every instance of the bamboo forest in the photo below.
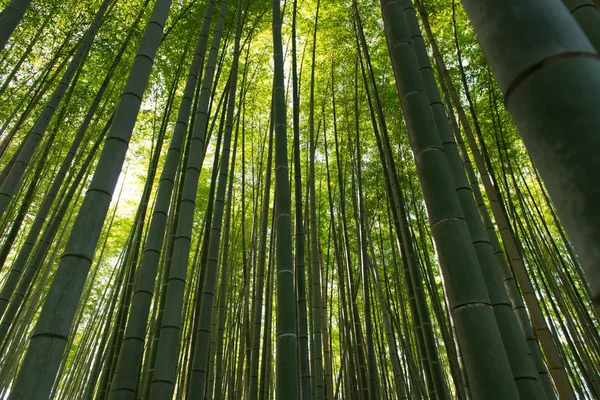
(299, 199)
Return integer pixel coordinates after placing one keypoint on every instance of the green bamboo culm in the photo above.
(538, 325)
(588, 17)
(17, 268)
(414, 281)
(299, 236)
(365, 266)
(49, 18)
(521, 362)
(10, 18)
(315, 275)
(38, 257)
(201, 353)
(286, 349)
(130, 357)
(223, 281)
(165, 363)
(260, 273)
(411, 293)
(15, 175)
(484, 357)
(549, 73)
(47, 343)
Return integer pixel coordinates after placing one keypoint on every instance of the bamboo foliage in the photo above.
(14, 176)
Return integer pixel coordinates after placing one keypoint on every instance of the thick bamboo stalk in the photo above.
(46, 346)
(467, 294)
(286, 350)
